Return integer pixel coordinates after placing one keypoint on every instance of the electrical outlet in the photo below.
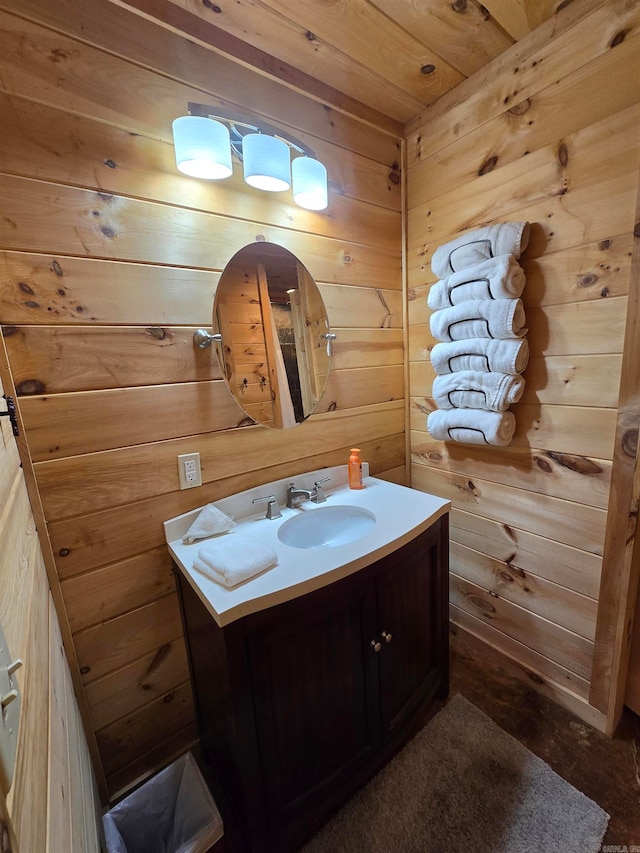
(189, 470)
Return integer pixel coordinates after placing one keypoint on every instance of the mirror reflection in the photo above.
(274, 352)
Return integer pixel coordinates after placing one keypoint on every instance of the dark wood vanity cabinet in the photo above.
(299, 704)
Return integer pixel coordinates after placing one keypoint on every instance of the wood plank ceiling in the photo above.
(387, 57)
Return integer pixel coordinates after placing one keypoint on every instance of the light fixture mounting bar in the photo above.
(235, 119)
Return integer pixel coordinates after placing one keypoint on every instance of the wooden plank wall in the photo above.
(52, 804)
(109, 261)
(547, 133)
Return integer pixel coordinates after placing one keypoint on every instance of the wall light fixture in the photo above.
(206, 139)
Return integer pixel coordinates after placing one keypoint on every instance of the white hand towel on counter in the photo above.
(485, 354)
(473, 389)
(233, 559)
(209, 522)
(496, 278)
(472, 426)
(507, 238)
(479, 318)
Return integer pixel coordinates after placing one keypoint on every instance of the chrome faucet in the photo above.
(273, 510)
(296, 496)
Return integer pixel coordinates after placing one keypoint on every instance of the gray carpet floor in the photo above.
(463, 784)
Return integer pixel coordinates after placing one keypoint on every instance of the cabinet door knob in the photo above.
(376, 646)
(387, 636)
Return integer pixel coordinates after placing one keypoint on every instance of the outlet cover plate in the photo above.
(189, 470)
(9, 718)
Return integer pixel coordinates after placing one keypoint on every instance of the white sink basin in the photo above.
(327, 527)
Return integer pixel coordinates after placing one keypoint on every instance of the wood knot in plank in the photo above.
(459, 5)
(636, 230)
(521, 108)
(579, 464)
(488, 165)
(29, 387)
(310, 36)
(395, 175)
(64, 552)
(428, 69)
(481, 604)
(25, 288)
(158, 659)
(486, 14)
(630, 442)
(603, 245)
(618, 38)
(563, 154)
(157, 332)
(543, 465)
(7, 331)
(587, 280)
(509, 533)
(208, 4)
(58, 55)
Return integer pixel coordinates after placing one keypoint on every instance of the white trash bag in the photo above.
(171, 813)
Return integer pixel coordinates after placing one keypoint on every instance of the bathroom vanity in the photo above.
(308, 678)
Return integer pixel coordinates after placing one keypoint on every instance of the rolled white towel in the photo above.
(209, 522)
(484, 354)
(479, 318)
(496, 278)
(232, 559)
(472, 426)
(472, 247)
(471, 389)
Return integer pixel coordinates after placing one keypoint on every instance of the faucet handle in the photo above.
(273, 510)
(319, 497)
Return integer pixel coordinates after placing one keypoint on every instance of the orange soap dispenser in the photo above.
(355, 469)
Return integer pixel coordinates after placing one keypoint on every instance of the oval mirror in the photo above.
(274, 353)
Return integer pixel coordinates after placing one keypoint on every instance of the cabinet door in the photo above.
(410, 658)
(313, 675)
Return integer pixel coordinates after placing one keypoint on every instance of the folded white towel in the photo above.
(507, 238)
(472, 389)
(472, 426)
(482, 354)
(209, 522)
(479, 318)
(497, 278)
(232, 559)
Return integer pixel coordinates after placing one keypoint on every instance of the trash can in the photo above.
(173, 812)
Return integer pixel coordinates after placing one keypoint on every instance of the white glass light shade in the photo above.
(267, 162)
(309, 183)
(202, 147)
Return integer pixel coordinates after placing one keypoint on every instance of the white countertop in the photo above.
(401, 514)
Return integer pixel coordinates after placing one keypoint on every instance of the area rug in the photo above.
(464, 784)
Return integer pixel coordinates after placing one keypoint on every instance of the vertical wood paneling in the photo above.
(48, 809)
(560, 173)
(110, 260)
